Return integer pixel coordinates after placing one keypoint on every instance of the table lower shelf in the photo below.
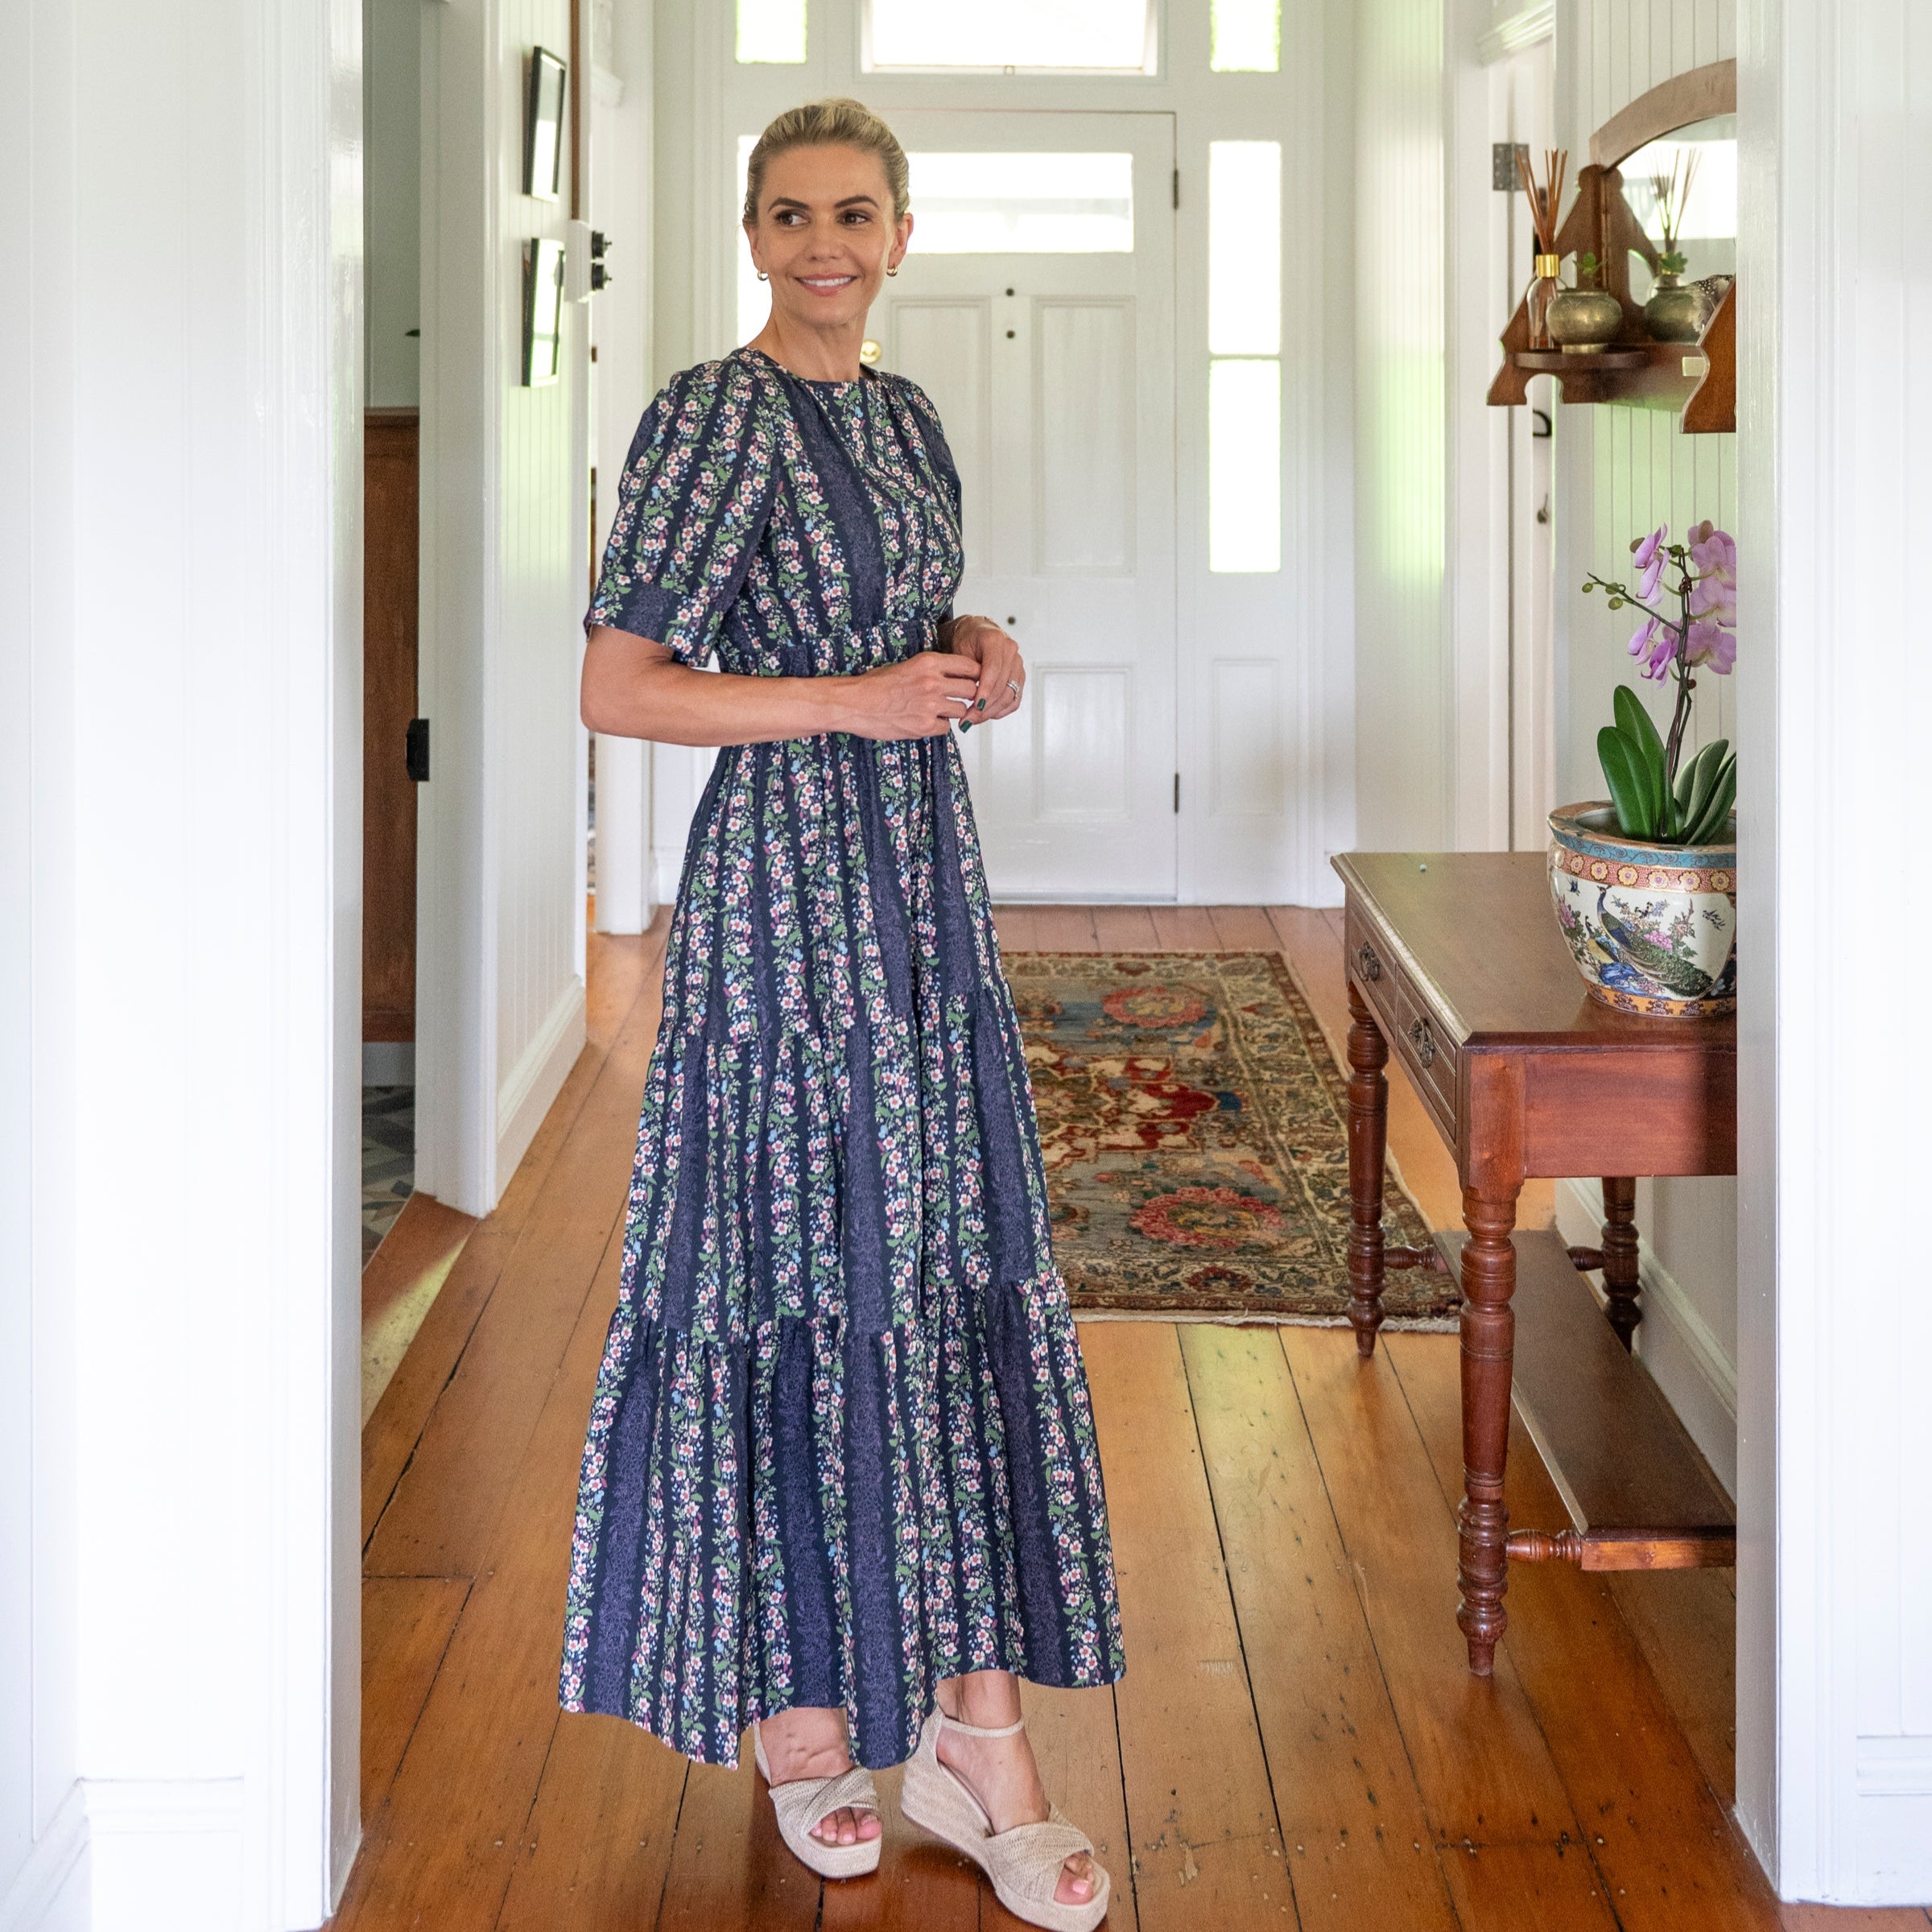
(1639, 1495)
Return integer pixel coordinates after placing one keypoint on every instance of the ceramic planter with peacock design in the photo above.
(1652, 928)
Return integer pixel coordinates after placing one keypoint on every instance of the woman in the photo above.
(840, 1481)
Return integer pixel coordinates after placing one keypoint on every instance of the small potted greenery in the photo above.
(1645, 883)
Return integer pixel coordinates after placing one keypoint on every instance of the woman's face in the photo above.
(825, 235)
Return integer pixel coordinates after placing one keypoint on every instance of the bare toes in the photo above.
(1076, 1881)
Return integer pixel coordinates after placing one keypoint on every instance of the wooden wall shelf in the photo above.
(1653, 375)
(1634, 369)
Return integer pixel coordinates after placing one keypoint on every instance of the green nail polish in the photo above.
(964, 728)
(982, 704)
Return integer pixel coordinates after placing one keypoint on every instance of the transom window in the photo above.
(1018, 36)
(1028, 204)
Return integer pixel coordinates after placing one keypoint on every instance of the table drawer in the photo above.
(1415, 1032)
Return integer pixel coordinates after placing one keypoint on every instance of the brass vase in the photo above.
(1584, 321)
(1677, 310)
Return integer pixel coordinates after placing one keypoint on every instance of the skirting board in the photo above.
(1674, 1341)
(535, 1080)
(50, 1892)
(163, 1855)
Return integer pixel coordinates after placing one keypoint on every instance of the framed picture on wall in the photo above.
(543, 126)
(542, 312)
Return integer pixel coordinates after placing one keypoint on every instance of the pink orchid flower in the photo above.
(1645, 548)
(1713, 549)
(1713, 644)
(1715, 596)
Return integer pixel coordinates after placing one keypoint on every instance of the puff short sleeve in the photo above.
(695, 497)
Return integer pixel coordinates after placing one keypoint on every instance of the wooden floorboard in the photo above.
(1539, 1888)
(1357, 1834)
(1206, 1850)
(594, 1852)
(1125, 928)
(1656, 1832)
(1296, 1742)
(466, 1459)
(1481, 1766)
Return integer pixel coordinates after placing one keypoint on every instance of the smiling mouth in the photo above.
(827, 281)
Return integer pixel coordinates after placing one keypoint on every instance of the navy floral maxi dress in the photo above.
(841, 1445)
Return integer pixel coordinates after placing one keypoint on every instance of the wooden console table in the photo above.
(1454, 958)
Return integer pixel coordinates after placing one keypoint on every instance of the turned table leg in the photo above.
(1367, 1146)
(1489, 1332)
(1621, 1281)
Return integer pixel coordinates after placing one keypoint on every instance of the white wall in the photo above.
(1834, 1355)
(620, 202)
(182, 663)
(1620, 472)
(500, 1000)
(1404, 758)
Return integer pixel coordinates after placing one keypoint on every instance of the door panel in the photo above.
(952, 339)
(1085, 437)
(1054, 374)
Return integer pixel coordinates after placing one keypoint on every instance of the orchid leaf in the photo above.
(1634, 722)
(1709, 828)
(1629, 787)
(1712, 764)
(1702, 770)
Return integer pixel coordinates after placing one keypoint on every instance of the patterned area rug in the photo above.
(1195, 1128)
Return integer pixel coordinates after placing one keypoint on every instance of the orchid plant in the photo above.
(1656, 801)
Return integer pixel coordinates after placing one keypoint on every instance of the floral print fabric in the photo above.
(841, 1445)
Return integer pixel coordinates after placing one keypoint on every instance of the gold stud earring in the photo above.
(892, 271)
(762, 276)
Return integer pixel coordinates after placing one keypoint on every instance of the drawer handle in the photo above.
(1423, 1041)
(1364, 958)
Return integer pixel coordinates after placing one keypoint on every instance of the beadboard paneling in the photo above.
(1622, 472)
(1402, 696)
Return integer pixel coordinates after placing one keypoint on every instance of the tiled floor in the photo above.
(389, 1159)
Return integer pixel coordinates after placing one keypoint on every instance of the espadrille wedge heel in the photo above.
(805, 1801)
(1023, 1864)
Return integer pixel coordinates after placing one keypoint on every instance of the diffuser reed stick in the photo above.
(1545, 200)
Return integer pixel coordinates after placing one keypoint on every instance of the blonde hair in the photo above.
(836, 123)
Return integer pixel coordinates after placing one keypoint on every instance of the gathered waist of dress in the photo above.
(849, 650)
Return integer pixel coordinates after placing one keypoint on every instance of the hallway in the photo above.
(1296, 1741)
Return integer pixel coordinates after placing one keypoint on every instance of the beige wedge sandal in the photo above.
(805, 1801)
(1023, 1864)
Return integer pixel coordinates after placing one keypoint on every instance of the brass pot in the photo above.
(1584, 321)
(1677, 310)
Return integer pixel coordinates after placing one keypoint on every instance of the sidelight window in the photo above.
(1244, 346)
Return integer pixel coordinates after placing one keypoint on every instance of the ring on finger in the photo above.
(1013, 687)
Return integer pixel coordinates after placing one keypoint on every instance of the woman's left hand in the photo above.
(1002, 671)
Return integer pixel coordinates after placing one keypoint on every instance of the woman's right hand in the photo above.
(920, 697)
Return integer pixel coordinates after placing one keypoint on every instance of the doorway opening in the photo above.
(395, 738)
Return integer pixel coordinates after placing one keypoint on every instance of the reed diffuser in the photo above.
(1544, 200)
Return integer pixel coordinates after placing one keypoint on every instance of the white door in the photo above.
(1036, 308)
